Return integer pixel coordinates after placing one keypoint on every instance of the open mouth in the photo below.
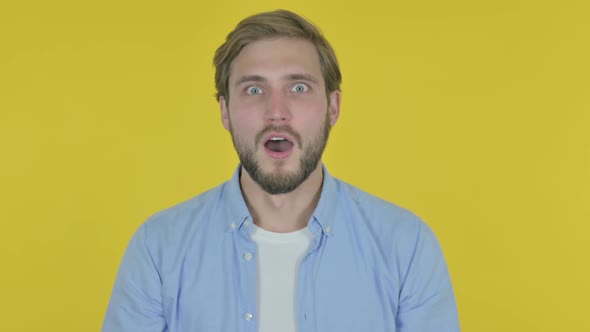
(278, 147)
(278, 144)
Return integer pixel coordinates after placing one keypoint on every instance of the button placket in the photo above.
(305, 289)
(246, 251)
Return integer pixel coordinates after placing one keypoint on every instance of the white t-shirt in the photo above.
(279, 255)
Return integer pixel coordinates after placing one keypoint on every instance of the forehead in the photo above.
(275, 58)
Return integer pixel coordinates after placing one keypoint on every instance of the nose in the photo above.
(278, 110)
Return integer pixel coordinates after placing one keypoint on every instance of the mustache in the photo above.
(279, 129)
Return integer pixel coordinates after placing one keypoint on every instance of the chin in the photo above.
(282, 167)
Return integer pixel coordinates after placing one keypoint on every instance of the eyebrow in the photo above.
(250, 78)
(290, 77)
(301, 77)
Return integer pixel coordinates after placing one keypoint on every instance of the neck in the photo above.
(284, 212)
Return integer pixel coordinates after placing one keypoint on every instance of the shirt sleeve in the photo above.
(427, 301)
(136, 303)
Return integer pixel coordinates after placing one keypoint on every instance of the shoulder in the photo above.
(396, 230)
(178, 219)
(379, 213)
(384, 222)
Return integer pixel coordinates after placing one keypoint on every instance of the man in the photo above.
(282, 246)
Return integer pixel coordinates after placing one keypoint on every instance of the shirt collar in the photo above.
(326, 209)
(324, 214)
(236, 208)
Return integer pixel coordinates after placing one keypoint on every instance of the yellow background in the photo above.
(473, 114)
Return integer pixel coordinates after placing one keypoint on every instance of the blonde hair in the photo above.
(278, 23)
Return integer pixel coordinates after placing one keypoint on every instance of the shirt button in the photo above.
(246, 223)
(248, 316)
(328, 229)
(248, 256)
(233, 226)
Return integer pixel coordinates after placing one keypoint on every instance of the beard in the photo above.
(276, 183)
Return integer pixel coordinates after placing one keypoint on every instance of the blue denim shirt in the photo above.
(372, 266)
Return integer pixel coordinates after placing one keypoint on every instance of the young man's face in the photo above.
(278, 113)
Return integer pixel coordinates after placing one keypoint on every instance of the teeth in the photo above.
(277, 139)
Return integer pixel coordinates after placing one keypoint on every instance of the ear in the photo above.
(334, 106)
(224, 112)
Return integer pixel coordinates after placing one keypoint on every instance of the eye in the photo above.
(299, 87)
(253, 90)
